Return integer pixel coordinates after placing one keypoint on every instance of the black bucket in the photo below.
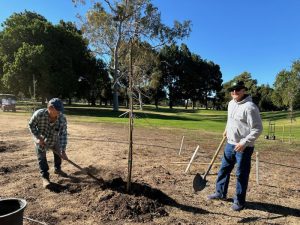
(11, 211)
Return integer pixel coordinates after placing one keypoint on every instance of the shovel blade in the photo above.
(199, 183)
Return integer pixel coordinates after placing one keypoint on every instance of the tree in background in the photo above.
(170, 66)
(144, 62)
(265, 98)
(188, 77)
(19, 74)
(33, 50)
(22, 52)
(287, 87)
(124, 20)
(156, 90)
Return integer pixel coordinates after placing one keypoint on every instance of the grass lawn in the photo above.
(178, 117)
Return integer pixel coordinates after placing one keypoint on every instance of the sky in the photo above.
(261, 37)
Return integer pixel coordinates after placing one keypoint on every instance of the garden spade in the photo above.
(199, 182)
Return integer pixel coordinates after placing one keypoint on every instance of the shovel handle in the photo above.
(84, 171)
(81, 169)
(215, 156)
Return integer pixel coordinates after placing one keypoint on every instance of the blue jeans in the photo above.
(42, 161)
(243, 161)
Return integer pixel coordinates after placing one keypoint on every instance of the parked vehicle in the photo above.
(8, 102)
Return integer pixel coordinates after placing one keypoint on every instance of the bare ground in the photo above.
(161, 192)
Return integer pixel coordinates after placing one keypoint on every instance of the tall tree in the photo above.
(287, 87)
(265, 98)
(123, 20)
(127, 21)
(22, 50)
(19, 74)
(54, 56)
(145, 61)
(170, 67)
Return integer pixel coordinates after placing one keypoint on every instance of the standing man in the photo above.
(243, 127)
(49, 129)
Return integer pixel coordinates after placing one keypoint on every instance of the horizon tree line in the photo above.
(58, 59)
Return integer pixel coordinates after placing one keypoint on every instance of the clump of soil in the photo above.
(10, 169)
(142, 204)
(5, 147)
(5, 170)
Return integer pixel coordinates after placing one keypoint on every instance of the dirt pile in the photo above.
(142, 204)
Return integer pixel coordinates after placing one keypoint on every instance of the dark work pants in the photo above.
(243, 161)
(42, 161)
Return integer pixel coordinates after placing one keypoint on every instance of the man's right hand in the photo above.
(41, 142)
(63, 155)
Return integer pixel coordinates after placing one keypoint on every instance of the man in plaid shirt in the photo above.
(49, 129)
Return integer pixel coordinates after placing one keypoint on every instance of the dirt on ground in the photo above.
(161, 191)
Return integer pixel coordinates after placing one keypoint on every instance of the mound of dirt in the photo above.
(142, 204)
(116, 206)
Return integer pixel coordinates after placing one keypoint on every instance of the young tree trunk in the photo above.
(156, 103)
(186, 103)
(140, 101)
(130, 123)
(116, 72)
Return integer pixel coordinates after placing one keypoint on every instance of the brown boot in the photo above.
(46, 182)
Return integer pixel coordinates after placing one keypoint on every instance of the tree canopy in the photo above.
(125, 20)
(32, 50)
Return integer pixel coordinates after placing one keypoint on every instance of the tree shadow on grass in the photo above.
(100, 112)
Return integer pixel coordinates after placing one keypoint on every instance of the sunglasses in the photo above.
(236, 89)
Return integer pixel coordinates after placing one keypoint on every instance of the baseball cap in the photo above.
(57, 104)
(237, 85)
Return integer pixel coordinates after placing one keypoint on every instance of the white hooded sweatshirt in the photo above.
(244, 123)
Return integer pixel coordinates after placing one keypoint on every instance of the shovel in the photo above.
(99, 180)
(199, 182)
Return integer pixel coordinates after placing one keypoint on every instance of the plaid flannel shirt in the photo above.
(53, 133)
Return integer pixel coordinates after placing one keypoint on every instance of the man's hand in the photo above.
(63, 155)
(40, 141)
(239, 148)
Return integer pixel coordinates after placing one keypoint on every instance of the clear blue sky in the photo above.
(261, 37)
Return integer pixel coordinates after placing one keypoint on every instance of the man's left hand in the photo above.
(239, 148)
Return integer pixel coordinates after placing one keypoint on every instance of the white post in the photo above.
(189, 165)
(257, 168)
(283, 133)
(181, 145)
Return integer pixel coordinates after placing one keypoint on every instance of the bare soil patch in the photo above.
(161, 192)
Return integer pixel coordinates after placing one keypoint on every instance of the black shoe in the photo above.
(60, 173)
(237, 207)
(216, 196)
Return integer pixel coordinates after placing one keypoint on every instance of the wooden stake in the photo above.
(257, 169)
(196, 163)
(283, 133)
(193, 156)
(181, 145)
